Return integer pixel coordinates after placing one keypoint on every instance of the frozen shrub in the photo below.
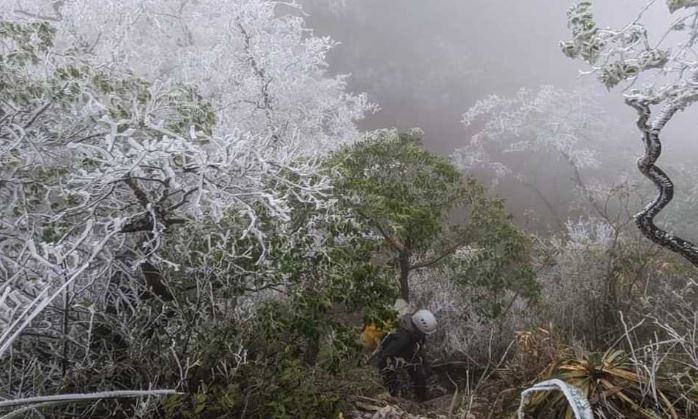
(572, 273)
(467, 329)
(591, 274)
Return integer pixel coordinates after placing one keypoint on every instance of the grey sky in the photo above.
(426, 62)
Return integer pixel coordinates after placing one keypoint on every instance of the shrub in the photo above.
(610, 383)
(467, 329)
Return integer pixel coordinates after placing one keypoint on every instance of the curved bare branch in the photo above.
(646, 164)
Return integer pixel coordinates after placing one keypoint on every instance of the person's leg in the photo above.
(388, 370)
(418, 375)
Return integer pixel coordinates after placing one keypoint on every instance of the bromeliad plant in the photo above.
(610, 383)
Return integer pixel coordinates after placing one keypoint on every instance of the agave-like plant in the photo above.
(611, 385)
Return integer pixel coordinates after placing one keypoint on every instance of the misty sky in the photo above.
(426, 62)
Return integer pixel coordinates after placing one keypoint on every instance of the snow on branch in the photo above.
(545, 120)
(123, 124)
(660, 81)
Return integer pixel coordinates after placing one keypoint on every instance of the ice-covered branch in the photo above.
(124, 127)
(656, 77)
(647, 166)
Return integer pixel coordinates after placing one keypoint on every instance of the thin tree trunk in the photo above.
(154, 281)
(556, 217)
(312, 350)
(66, 329)
(577, 178)
(404, 264)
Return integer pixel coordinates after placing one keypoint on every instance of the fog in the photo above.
(426, 63)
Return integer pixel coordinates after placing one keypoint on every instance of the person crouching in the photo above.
(403, 349)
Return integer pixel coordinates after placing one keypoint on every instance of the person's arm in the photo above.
(421, 354)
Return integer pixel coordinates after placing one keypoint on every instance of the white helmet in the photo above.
(424, 321)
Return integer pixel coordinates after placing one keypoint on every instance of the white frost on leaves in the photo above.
(546, 120)
(76, 175)
(261, 67)
(466, 253)
(654, 73)
(589, 232)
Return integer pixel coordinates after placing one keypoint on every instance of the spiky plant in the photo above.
(610, 383)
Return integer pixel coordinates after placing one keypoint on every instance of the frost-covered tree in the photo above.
(254, 60)
(539, 127)
(122, 123)
(236, 88)
(660, 79)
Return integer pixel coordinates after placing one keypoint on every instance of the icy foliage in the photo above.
(466, 253)
(147, 115)
(589, 232)
(546, 120)
(465, 330)
(573, 275)
(263, 70)
(659, 73)
(620, 55)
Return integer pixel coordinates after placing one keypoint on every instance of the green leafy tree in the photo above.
(317, 272)
(410, 198)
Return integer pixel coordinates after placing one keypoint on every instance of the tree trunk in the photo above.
(154, 281)
(551, 209)
(653, 149)
(312, 350)
(404, 264)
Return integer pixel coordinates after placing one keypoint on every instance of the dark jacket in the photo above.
(402, 349)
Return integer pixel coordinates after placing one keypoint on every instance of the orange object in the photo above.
(372, 335)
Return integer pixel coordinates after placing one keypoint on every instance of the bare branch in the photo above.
(646, 164)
